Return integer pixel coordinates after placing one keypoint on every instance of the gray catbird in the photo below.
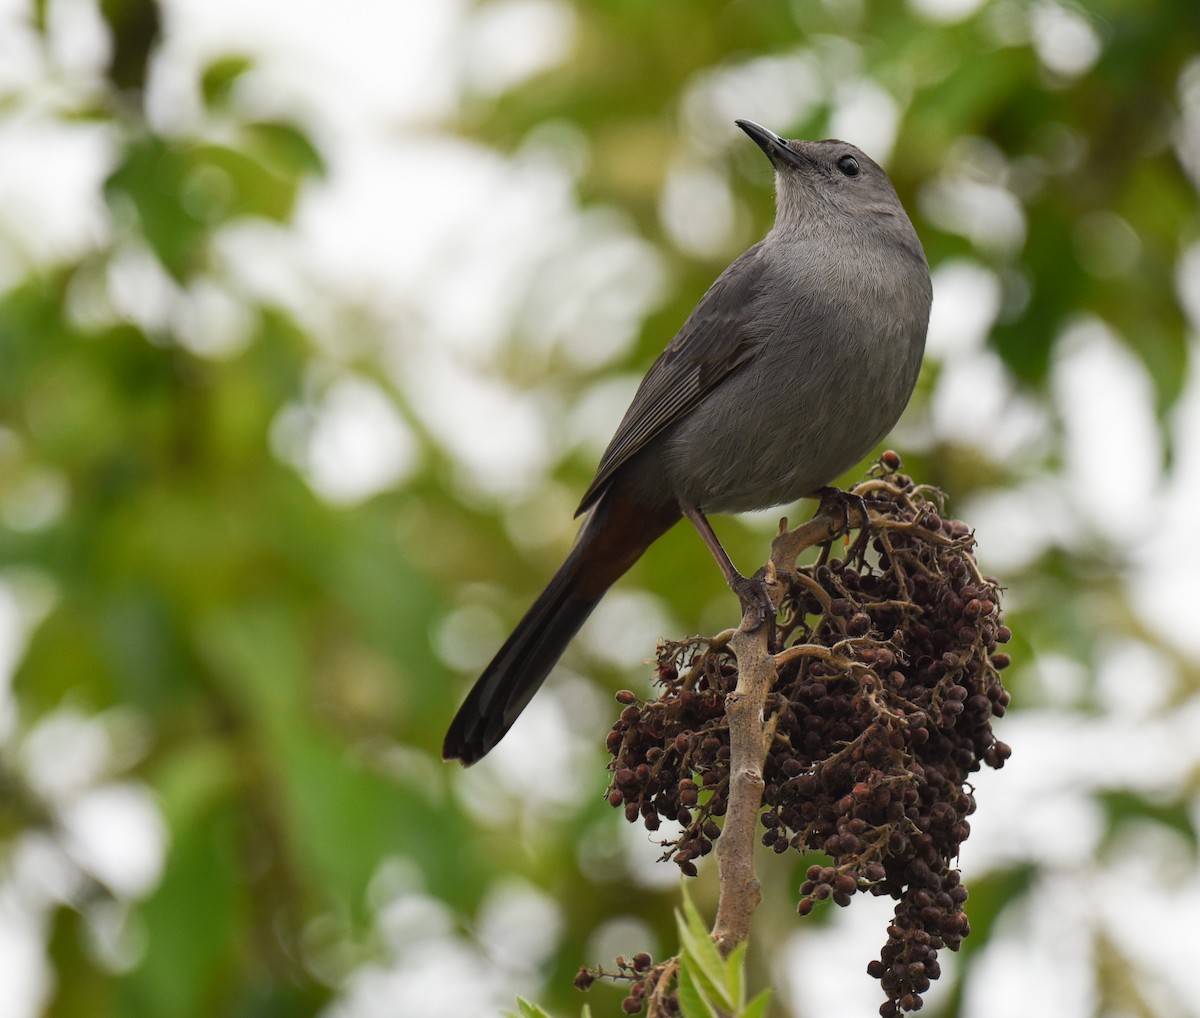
(798, 359)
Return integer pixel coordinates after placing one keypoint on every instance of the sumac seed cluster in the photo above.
(882, 712)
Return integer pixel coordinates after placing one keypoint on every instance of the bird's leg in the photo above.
(752, 591)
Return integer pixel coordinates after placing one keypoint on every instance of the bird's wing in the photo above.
(718, 337)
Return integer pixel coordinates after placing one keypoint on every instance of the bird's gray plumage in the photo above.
(799, 358)
(721, 334)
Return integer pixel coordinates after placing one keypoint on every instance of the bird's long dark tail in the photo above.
(616, 532)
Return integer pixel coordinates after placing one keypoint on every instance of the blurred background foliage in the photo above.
(264, 512)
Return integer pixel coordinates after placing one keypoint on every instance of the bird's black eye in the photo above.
(848, 165)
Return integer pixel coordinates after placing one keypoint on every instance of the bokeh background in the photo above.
(314, 319)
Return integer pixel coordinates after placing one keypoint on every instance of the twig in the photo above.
(750, 736)
(662, 988)
(787, 546)
(740, 890)
(803, 650)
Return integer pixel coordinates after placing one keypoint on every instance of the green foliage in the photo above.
(220, 77)
(275, 668)
(528, 1010)
(1124, 808)
(711, 986)
(708, 986)
(182, 191)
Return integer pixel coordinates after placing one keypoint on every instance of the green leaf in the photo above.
(692, 1001)
(701, 956)
(286, 149)
(254, 186)
(183, 190)
(194, 925)
(529, 1010)
(1124, 808)
(692, 927)
(220, 76)
(734, 971)
(710, 985)
(150, 178)
(757, 1008)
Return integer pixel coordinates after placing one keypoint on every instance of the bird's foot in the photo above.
(754, 593)
(835, 500)
(839, 502)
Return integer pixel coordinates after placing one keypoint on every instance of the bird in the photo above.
(794, 364)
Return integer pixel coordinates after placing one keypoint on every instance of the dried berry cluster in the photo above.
(649, 984)
(888, 680)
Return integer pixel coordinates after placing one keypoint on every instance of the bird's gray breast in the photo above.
(843, 334)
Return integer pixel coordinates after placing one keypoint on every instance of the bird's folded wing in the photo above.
(720, 335)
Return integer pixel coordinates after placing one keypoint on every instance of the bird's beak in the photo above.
(775, 147)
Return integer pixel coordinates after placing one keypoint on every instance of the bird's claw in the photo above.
(754, 593)
(837, 500)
